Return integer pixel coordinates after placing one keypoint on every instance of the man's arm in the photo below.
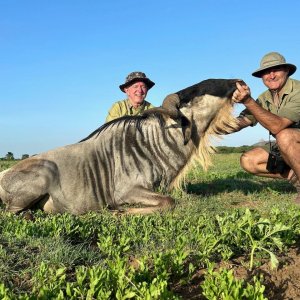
(243, 122)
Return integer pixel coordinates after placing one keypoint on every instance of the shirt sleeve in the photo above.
(291, 110)
(246, 113)
(114, 112)
(148, 105)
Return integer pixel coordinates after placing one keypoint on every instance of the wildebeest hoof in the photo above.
(27, 215)
(118, 212)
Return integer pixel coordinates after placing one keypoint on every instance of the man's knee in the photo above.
(246, 161)
(284, 138)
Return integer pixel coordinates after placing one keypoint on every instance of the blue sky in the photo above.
(61, 62)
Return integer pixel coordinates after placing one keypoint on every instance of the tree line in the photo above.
(10, 156)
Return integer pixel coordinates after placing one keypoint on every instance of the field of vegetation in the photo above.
(231, 236)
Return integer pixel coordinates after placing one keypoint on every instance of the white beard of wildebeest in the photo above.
(127, 159)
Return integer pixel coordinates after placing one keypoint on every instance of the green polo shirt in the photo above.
(124, 108)
(289, 106)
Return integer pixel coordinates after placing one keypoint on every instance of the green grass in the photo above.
(5, 164)
(228, 185)
(220, 214)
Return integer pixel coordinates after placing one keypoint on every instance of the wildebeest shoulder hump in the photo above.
(136, 120)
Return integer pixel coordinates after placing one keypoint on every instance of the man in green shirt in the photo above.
(277, 110)
(136, 87)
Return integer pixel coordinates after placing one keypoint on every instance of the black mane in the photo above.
(137, 120)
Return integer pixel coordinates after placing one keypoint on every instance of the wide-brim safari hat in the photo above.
(271, 60)
(134, 77)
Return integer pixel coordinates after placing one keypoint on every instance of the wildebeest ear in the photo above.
(170, 107)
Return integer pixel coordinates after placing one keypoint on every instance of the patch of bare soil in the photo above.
(281, 284)
(247, 204)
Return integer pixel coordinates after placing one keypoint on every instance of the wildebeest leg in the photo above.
(151, 201)
(170, 107)
(18, 202)
(46, 204)
(24, 185)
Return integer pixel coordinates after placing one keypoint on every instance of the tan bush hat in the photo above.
(134, 77)
(273, 59)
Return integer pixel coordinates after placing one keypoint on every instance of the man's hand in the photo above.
(242, 94)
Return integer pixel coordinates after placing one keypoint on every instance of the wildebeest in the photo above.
(126, 160)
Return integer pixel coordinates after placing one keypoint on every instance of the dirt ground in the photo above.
(283, 283)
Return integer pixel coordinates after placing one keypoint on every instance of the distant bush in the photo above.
(5, 164)
(240, 149)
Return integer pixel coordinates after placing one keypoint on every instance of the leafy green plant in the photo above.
(223, 285)
(157, 256)
(5, 293)
(261, 234)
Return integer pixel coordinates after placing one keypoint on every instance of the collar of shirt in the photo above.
(130, 106)
(287, 88)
